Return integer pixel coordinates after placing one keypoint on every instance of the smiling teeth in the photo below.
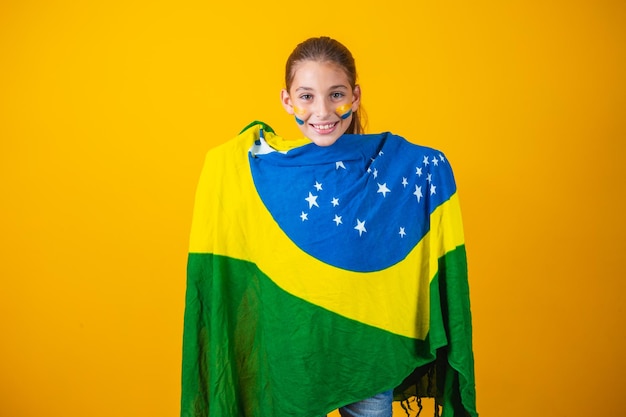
(324, 127)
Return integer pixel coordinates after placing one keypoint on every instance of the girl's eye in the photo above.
(306, 96)
(337, 95)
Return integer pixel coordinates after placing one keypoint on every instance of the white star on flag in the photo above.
(382, 188)
(339, 164)
(304, 216)
(318, 186)
(435, 161)
(337, 220)
(418, 171)
(335, 202)
(402, 233)
(418, 193)
(432, 189)
(360, 226)
(404, 182)
(312, 199)
(425, 161)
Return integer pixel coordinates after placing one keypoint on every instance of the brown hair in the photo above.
(325, 49)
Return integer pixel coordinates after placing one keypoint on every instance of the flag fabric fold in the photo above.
(320, 276)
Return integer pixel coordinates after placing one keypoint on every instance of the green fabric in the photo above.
(233, 302)
(265, 126)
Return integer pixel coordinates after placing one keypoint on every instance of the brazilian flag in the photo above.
(320, 276)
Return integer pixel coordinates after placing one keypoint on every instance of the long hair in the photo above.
(325, 49)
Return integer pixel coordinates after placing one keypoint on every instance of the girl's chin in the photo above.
(326, 136)
(323, 140)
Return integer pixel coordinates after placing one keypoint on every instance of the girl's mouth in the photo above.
(324, 128)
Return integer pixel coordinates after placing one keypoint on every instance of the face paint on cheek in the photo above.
(299, 112)
(344, 111)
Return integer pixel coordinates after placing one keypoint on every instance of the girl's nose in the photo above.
(323, 108)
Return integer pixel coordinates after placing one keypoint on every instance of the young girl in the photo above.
(327, 272)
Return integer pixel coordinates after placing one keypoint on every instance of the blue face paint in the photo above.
(344, 111)
(298, 110)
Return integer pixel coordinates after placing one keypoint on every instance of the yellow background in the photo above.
(107, 109)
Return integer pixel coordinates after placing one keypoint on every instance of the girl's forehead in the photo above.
(319, 72)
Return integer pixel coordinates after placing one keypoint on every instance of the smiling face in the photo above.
(322, 101)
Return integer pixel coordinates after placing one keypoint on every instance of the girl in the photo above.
(321, 90)
(327, 272)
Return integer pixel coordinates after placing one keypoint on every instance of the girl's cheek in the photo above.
(299, 114)
(344, 111)
(299, 111)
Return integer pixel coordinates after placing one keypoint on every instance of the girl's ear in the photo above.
(286, 101)
(356, 98)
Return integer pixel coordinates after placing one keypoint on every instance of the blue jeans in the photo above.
(377, 406)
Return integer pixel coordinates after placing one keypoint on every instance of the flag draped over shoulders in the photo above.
(321, 276)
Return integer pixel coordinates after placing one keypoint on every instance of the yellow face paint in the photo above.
(299, 112)
(344, 111)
